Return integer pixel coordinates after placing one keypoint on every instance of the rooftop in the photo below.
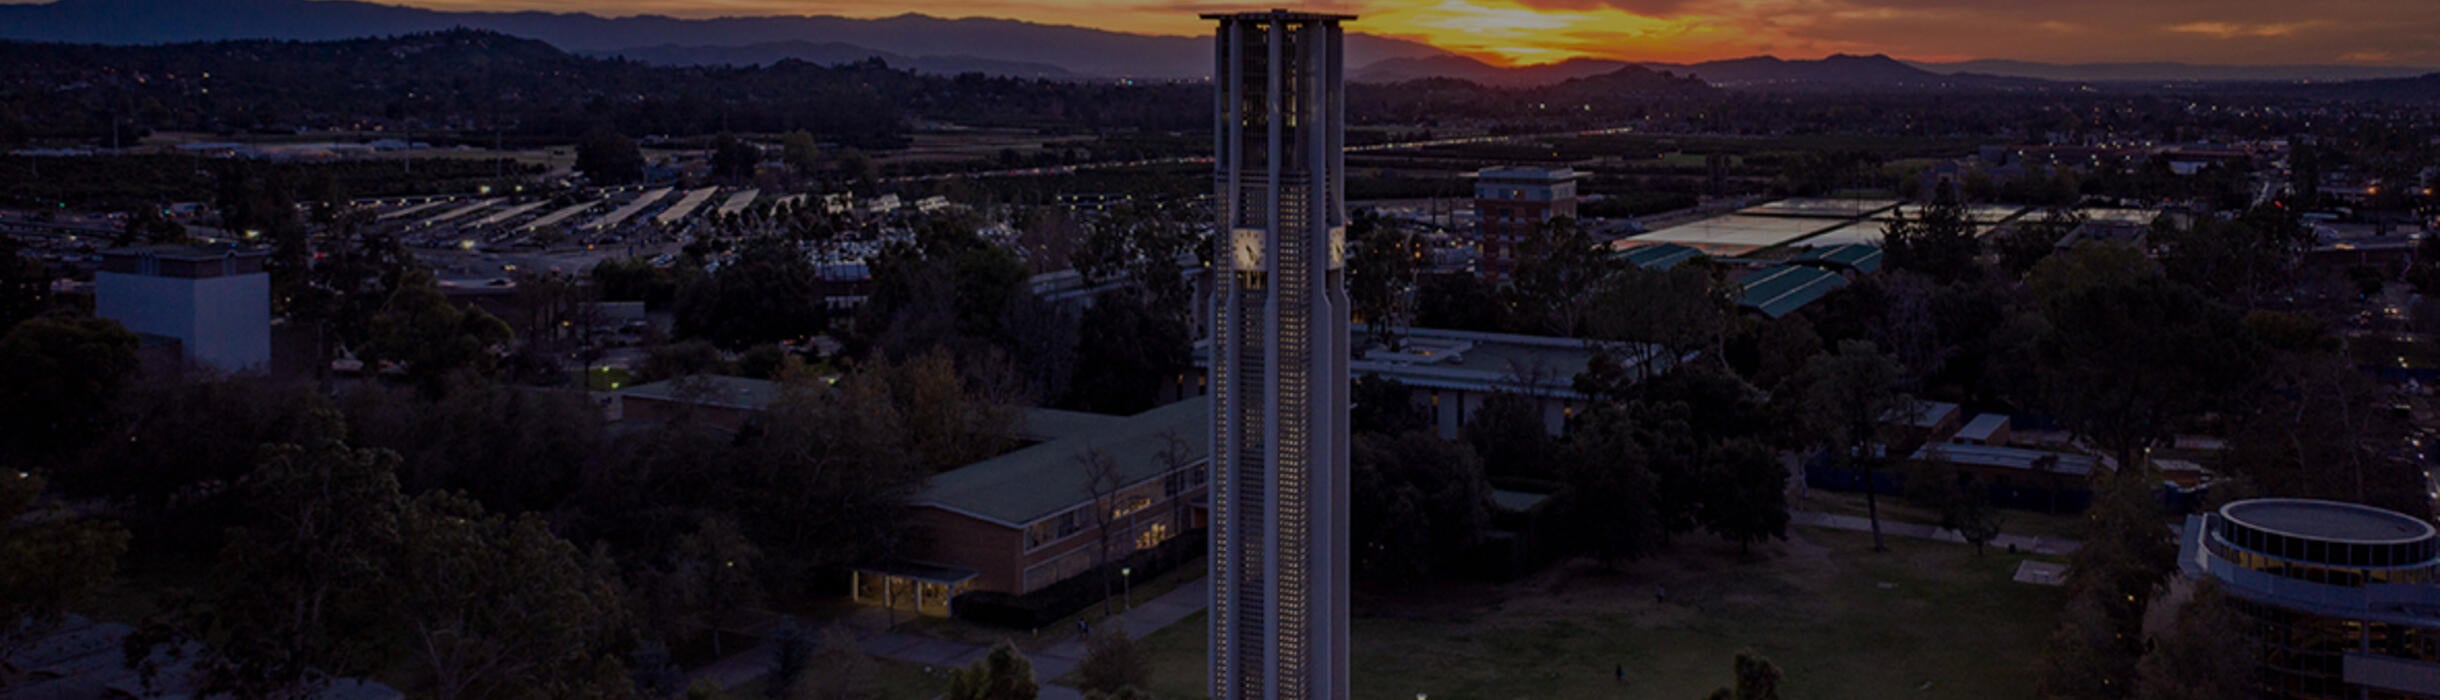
(1779, 291)
(1928, 414)
(1859, 257)
(1983, 427)
(1659, 256)
(2327, 520)
(2007, 458)
(1472, 361)
(1517, 501)
(1045, 479)
(710, 390)
(1526, 173)
(184, 252)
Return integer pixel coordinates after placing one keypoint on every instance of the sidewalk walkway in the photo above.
(1049, 663)
(2055, 546)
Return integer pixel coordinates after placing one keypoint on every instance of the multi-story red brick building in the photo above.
(1512, 205)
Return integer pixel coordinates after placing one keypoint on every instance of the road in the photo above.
(1191, 160)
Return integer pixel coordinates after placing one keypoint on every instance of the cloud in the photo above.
(1647, 8)
(2228, 30)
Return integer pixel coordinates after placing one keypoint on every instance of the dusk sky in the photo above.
(2371, 32)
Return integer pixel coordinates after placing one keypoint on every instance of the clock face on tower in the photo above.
(1338, 247)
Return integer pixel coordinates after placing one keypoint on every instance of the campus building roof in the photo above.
(2006, 458)
(1779, 291)
(2328, 521)
(1983, 427)
(1859, 257)
(1433, 358)
(710, 390)
(1659, 256)
(1044, 479)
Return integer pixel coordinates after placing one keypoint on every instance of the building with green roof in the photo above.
(1778, 291)
(1040, 514)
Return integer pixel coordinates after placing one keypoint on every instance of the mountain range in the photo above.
(1016, 48)
(1078, 50)
(831, 53)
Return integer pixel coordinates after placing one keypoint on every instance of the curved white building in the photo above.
(2342, 596)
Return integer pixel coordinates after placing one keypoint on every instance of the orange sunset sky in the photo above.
(2369, 32)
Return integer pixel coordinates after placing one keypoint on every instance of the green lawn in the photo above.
(898, 680)
(1948, 625)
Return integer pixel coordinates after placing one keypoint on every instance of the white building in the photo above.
(1279, 546)
(215, 301)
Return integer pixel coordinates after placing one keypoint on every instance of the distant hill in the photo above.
(1757, 72)
(2422, 88)
(2169, 71)
(831, 54)
(1082, 51)
(1475, 71)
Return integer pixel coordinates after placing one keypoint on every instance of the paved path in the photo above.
(2058, 546)
(1049, 663)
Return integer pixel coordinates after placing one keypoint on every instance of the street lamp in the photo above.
(1127, 584)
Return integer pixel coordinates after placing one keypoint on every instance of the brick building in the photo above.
(1512, 205)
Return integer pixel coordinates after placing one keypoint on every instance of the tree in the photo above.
(1847, 395)
(1004, 674)
(58, 378)
(635, 279)
(1384, 406)
(1745, 494)
(146, 224)
(1757, 679)
(838, 670)
(1419, 502)
(802, 154)
(510, 449)
(685, 358)
(1611, 502)
(2026, 243)
(769, 293)
(715, 569)
(25, 284)
(497, 606)
(2125, 558)
(297, 586)
(1558, 270)
(1125, 351)
(1102, 479)
(2123, 363)
(1459, 301)
(433, 339)
(1967, 508)
(1684, 310)
(1112, 662)
(2208, 652)
(50, 561)
(1508, 433)
(2239, 261)
(733, 159)
(609, 158)
(1939, 243)
(1380, 277)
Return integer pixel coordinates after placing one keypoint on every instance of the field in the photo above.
(1923, 620)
